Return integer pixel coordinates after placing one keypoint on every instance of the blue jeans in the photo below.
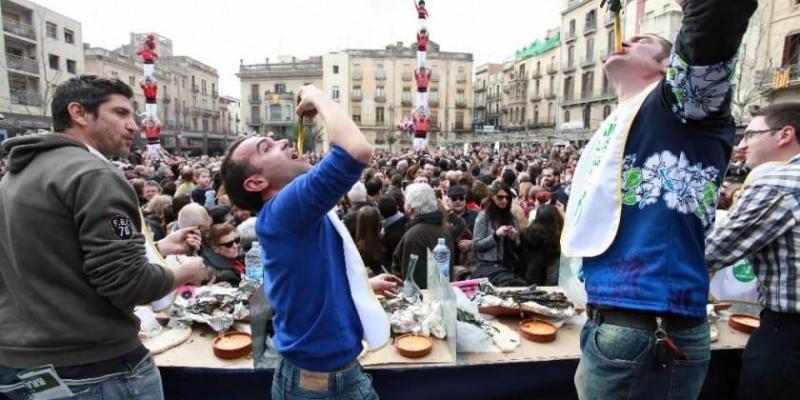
(618, 362)
(292, 383)
(140, 381)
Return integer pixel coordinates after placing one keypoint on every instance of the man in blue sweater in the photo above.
(643, 196)
(318, 329)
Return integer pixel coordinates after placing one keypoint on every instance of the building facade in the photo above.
(41, 49)
(483, 107)
(587, 34)
(269, 91)
(774, 55)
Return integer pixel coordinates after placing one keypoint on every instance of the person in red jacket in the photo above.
(152, 130)
(422, 122)
(150, 88)
(149, 55)
(422, 13)
(422, 46)
(423, 77)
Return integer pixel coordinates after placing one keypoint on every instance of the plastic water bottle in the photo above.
(442, 255)
(253, 269)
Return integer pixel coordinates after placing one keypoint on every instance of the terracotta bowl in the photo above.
(233, 345)
(537, 330)
(413, 345)
(744, 322)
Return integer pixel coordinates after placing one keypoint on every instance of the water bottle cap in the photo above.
(441, 240)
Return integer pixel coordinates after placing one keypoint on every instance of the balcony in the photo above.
(435, 76)
(204, 111)
(536, 97)
(357, 75)
(776, 79)
(253, 121)
(254, 99)
(461, 103)
(589, 28)
(608, 19)
(214, 94)
(552, 69)
(407, 102)
(380, 98)
(25, 97)
(478, 87)
(276, 97)
(356, 96)
(461, 78)
(461, 127)
(587, 62)
(195, 88)
(550, 95)
(166, 99)
(537, 74)
(570, 36)
(433, 102)
(407, 76)
(545, 123)
(380, 75)
(568, 67)
(22, 64)
(19, 28)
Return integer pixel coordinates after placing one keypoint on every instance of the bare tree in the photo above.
(751, 73)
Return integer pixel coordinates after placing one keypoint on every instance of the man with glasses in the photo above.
(764, 226)
(462, 221)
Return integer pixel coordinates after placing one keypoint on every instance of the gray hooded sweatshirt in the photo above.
(72, 256)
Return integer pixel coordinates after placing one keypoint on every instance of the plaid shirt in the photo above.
(765, 227)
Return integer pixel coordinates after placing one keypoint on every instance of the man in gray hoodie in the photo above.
(73, 261)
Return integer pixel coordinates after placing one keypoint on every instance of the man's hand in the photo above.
(180, 241)
(385, 284)
(189, 270)
(309, 100)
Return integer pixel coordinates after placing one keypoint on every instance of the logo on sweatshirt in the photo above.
(122, 226)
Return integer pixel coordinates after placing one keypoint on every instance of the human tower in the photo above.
(150, 123)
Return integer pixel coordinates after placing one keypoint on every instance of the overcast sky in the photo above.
(220, 33)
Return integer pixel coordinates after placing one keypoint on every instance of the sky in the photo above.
(220, 33)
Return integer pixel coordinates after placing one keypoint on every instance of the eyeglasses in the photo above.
(231, 243)
(502, 196)
(750, 134)
(457, 197)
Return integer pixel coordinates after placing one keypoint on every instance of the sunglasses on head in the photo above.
(231, 243)
(459, 197)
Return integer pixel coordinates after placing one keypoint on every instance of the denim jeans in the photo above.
(140, 381)
(618, 362)
(292, 383)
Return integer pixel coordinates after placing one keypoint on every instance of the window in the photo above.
(52, 30)
(287, 112)
(568, 88)
(69, 36)
(566, 116)
(205, 125)
(54, 61)
(280, 88)
(254, 89)
(791, 50)
(535, 114)
(434, 96)
(357, 114)
(589, 48)
(537, 88)
(203, 86)
(549, 112)
(591, 20)
(587, 85)
(406, 94)
(570, 56)
(254, 114)
(606, 111)
(357, 92)
(335, 69)
(379, 115)
(335, 92)
(460, 96)
(274, 112)
(610, 42)
(71, 66)
(213, 87)
(571, 28)
(459, 120)
(380, 92)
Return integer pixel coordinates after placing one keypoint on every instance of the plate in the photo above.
(744, 322)
(537, 330)
(233, 344)
(413, 345)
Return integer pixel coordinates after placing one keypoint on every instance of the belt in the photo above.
(121, 364)
(642, 319)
